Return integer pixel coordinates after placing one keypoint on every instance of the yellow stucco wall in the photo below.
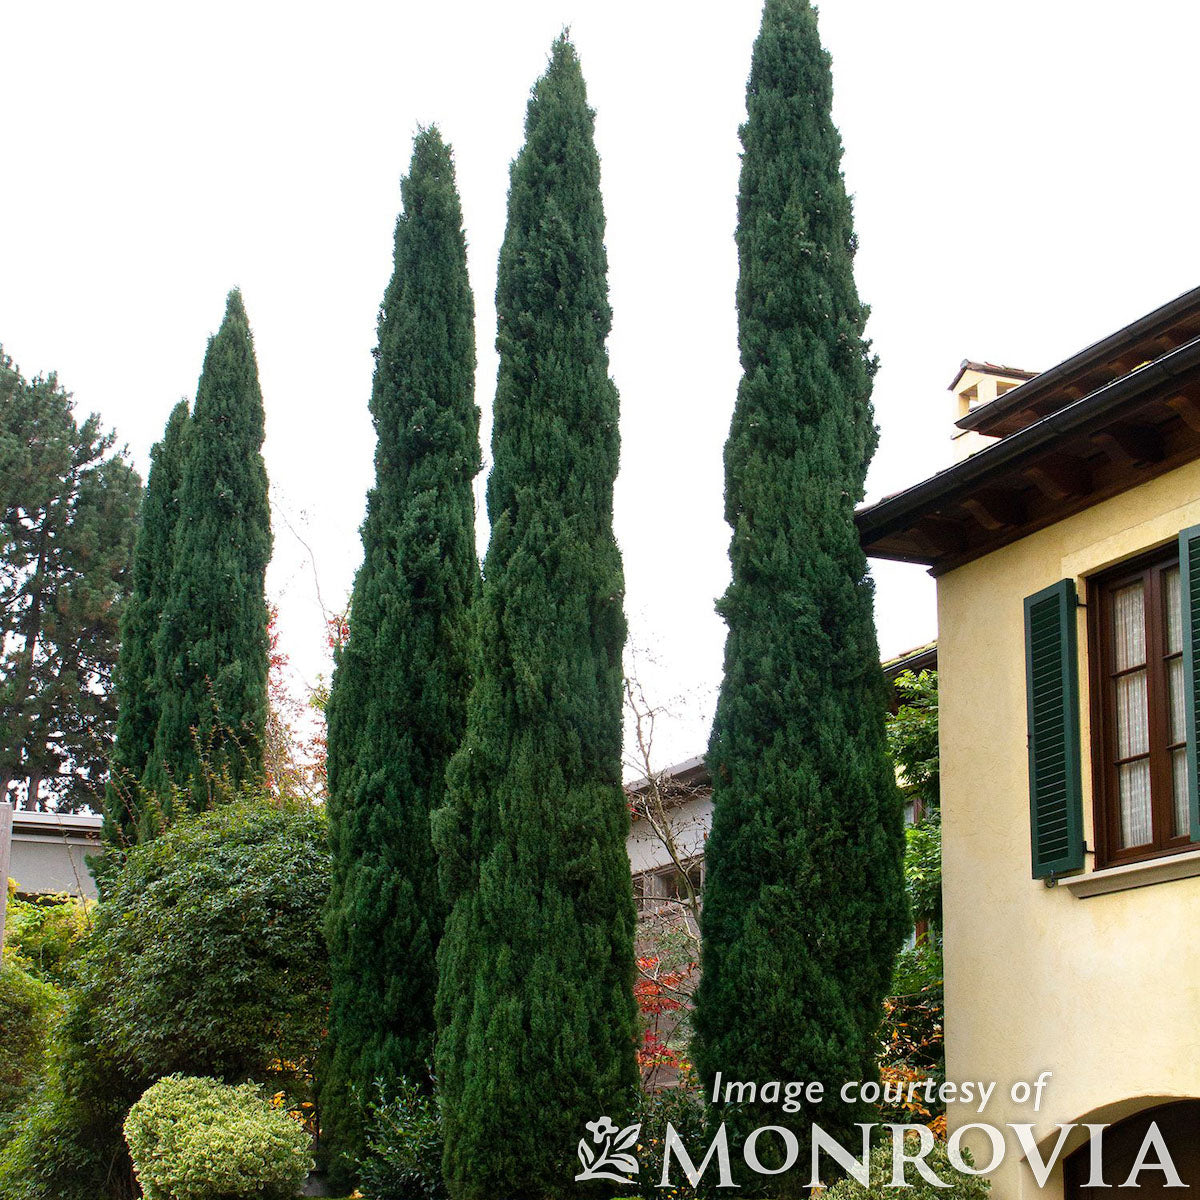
(1104, 991)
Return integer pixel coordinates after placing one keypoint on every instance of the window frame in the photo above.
(1150, 568)
(657, 903)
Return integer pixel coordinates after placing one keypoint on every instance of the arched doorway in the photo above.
(1179, 1123)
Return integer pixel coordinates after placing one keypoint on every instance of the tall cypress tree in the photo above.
(211, 649)
(804, 896)
(138, 710)
(397, 706)
(535, 1011)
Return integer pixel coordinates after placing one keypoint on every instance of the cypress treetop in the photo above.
(397, 705)
(804, 903)
(537, 1028)
(137, 702)
(211, 650)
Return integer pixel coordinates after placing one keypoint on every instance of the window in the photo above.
(1139, 714)
(1143, 623)
(666, 891)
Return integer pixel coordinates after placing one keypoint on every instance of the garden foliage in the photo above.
(404, 1147)
(46, 936)
(207, 959)
(27, 1007)
(959, 1186)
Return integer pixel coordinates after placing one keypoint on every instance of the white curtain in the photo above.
(1133, 714)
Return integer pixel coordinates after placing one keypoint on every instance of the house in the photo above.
(48, 852)
(672, 814)
(1066, 549)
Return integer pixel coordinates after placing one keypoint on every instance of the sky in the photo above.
(1025, 182)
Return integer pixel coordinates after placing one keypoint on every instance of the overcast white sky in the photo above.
(1026, 181)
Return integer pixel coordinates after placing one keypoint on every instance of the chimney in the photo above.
(976, 384)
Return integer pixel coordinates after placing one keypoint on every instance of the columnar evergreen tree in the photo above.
(536, 1019)
(397, 706)
(804, 896)
(211, 649)
(138, 709)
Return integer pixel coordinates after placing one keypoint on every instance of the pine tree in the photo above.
(804, 896)
(536, 1020)
(137, 702)
(68, 518)
(211, 648)
(397, 706)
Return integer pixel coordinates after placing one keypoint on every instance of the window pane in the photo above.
(1133, 716)
(1174, 611)
(1129, 626)
(1177, 709)
(1135, 803)
(1180, 787)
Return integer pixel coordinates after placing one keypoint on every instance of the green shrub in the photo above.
(27, 1006)
(404, 1146)
(961, 1187)
(685, 1109)
(66, 1142)
(197, 1139)
(208, 951)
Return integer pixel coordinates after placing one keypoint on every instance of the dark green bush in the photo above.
(685, 1109)
(206, 959)
(404, 1145)
(208, 951)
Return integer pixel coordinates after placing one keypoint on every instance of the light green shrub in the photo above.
(197, 1139)
(49, 934)
(960, 1186)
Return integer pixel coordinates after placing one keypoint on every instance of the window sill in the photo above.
(1134, 875)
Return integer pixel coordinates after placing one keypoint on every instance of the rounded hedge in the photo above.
(208, 956)
(197, 1139)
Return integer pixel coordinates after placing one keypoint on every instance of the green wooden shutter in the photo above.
(1052, 695)
(1189, 586)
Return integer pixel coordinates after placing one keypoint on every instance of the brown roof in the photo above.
(987, 368)
(1140, 425)
(1144, 340)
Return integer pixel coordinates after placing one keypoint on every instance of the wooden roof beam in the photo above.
(996, 510)
(1060, 476)
(1130, 445)
(1187, 407)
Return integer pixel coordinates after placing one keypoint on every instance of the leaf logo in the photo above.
(610, 1153)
